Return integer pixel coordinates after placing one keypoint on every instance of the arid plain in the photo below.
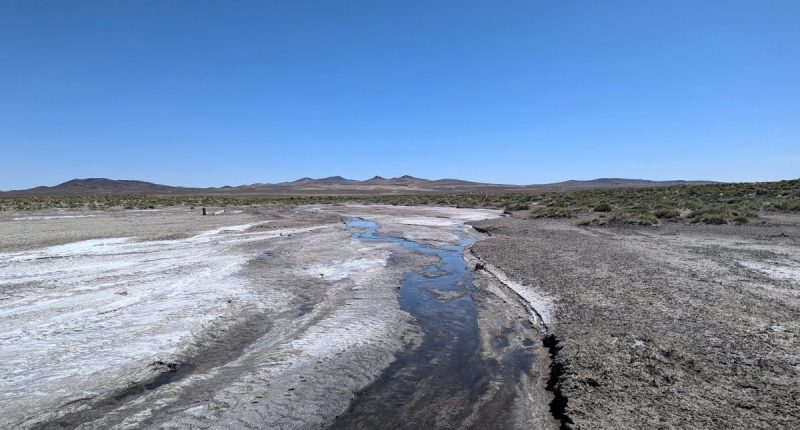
(364, 315)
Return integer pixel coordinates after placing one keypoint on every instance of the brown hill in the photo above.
(99, 186)
(329, 185)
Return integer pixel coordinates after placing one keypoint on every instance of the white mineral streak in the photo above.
(69, 313)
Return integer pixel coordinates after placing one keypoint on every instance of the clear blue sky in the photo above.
(215, 93)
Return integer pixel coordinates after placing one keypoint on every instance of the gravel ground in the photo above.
(681, 326)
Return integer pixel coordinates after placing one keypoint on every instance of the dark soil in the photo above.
(680, 326)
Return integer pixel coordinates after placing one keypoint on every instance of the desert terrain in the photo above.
(680, 326)
(292, 318)
(399, 215)
(365, 316)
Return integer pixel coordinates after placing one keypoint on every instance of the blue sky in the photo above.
(214, 93)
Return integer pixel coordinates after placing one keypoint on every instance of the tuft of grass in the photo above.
(722, 214)
(668, 213)
(553, 212)
(603, 207)
(638, 217)
(516, 206)
(783, 204)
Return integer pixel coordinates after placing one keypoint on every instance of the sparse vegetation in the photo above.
(603, 207)
(516, 206)
(723, 214)
(712, 204)
(553, 212)
(640, 216)
(667, 213)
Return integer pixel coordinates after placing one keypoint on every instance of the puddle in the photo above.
(437, 384)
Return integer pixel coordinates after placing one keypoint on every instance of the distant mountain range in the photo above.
(330, 185)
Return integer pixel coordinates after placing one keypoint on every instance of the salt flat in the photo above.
(259, 316)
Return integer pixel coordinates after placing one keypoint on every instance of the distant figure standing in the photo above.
(204, 211)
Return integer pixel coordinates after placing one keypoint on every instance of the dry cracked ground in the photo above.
(356, 316)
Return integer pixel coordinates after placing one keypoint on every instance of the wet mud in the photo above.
(445, 381)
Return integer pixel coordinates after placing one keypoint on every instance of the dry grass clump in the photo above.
(634, 216)
(722, 214)
(553, 212)
(603, 207)
(667, 213)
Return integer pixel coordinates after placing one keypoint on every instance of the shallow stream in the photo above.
(438, 383)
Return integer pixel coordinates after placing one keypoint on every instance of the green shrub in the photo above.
(603, 207)
(722, 214)
(783, 204)
(669, 213)
(517, 206)
(552, 212)
(634, 217)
